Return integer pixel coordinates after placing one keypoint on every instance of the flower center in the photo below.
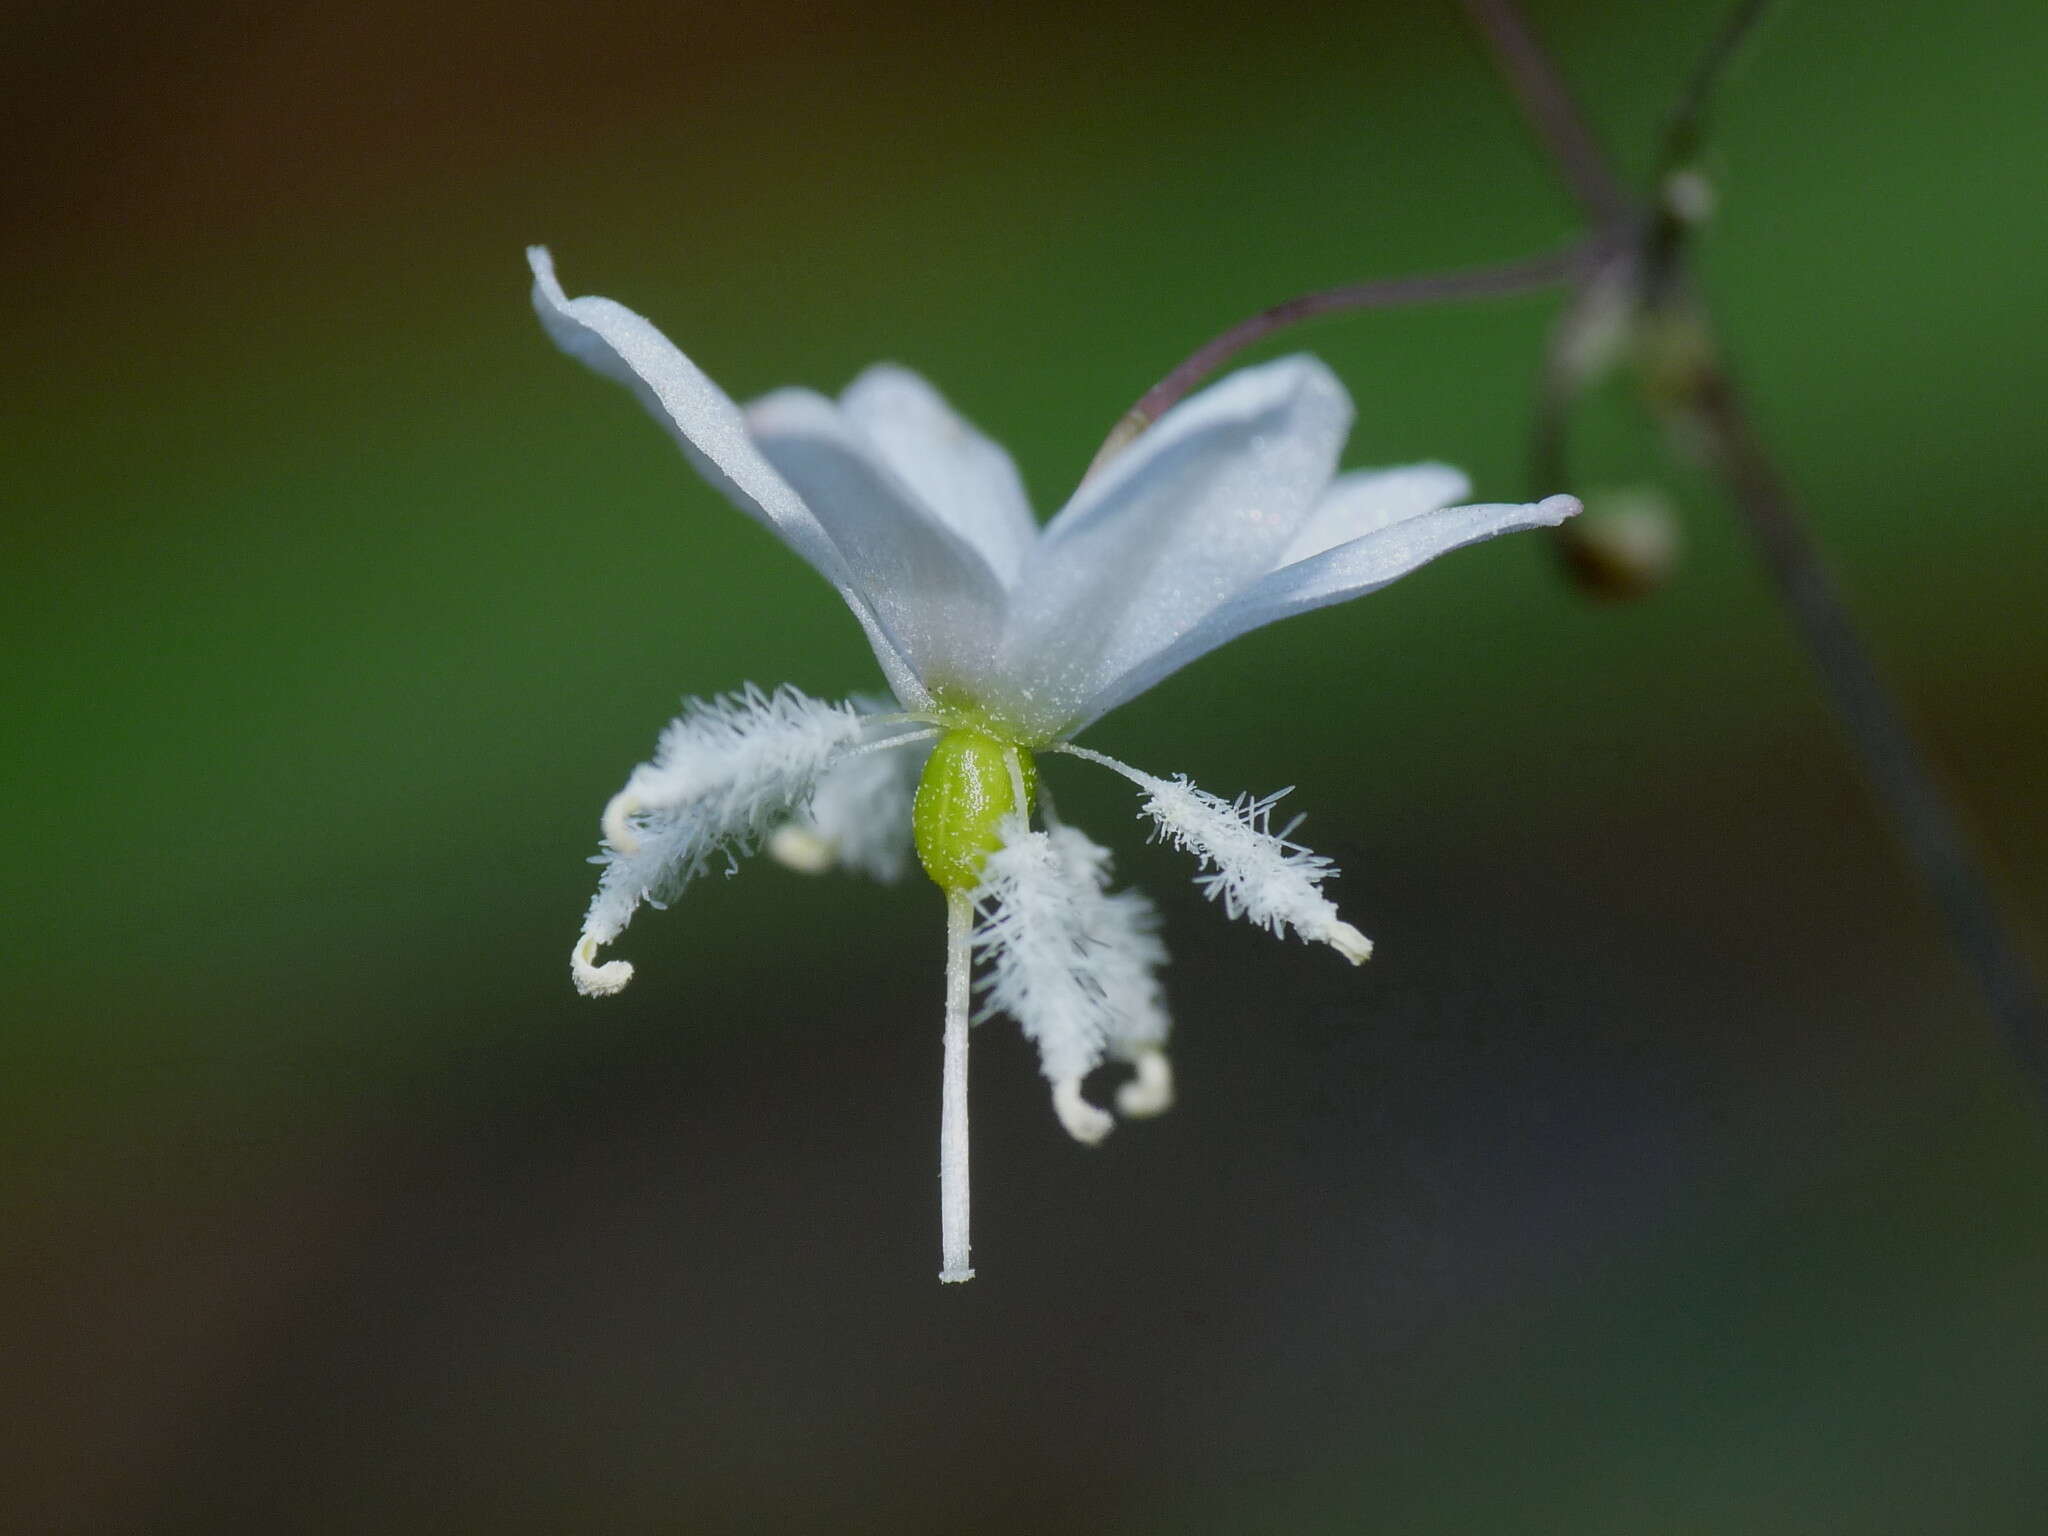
(965, 792)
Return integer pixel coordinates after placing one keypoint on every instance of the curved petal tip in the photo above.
(543, 267)
(592, 979)
(1150, 1090)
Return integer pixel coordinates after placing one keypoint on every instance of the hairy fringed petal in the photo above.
(1257, 873)
(1073, 964)
(723, 774)
(859, 815)
(1033, 937)
(1128, 952)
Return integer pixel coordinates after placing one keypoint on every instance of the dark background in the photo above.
(1661, 1173)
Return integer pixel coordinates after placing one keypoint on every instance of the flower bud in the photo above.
(1688, 196)
(1624, 545)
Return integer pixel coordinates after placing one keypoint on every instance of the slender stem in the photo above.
(953, 1189)
(1016, 766)
(1687, 128)
(1498, 281)
(1669, 232)
(1548, 104)
(899, 717)
(1142, 780)
(1589, 334)
(1656, 244)
(1559, 379)
(1891, 759)
(886, 744)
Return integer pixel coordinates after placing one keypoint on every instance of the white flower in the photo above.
(1001, 639)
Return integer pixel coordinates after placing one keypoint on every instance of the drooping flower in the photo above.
(1002, 640)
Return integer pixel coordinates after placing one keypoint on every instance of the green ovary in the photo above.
(964, 794)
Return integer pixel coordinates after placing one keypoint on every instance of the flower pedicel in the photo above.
(1002, 640)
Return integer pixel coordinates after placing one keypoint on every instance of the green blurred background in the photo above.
(1660, 1174)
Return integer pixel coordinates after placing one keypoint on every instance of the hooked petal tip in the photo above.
(592, 979)
(1348, 942)
(1150, 1092)
(1082, 1120)
(801, 848)
(618, 822)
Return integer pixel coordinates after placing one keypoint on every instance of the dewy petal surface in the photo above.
(1367, 500)
(1350, 570)
(965, 478)
(1187, 517)
(931, 590)
(610, 339)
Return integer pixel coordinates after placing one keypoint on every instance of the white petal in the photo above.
(1258, 874)
(613, 341)
(1033, 936)
(1126, 952)
(723, 774)
(1350, 570)
(1367, 500)
(1187, 517)
(965, 478)
(859, 816)
(932, 592)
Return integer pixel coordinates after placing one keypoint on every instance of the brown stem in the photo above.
(1693, 384)
(1549, 105)
(1686, 130)
(1499, 281)
(1669, 231)
(1891, 760)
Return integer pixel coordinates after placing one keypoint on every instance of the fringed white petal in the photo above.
(1124, 926)
(1033, 940)
(859, 815)
(1257, 873)
(1071, 963)
(723, 774)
